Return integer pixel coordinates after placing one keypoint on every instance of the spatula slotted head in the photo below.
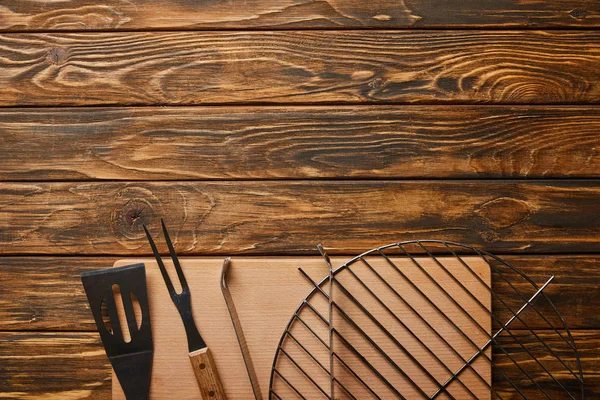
(132, 359)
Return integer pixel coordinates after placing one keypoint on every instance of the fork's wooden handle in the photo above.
(207, 375)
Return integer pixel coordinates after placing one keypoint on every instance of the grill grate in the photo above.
(426, 319)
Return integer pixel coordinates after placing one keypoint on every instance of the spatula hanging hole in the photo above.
(137, 311)
(106, 317)
(121, 313)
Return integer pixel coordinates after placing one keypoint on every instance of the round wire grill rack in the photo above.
(426, 319)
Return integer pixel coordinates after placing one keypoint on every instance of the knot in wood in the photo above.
(489, 236)
(378, 83)
(128, 221)
(134, 212)
(504, 212)
(56, 56)
(578, 14)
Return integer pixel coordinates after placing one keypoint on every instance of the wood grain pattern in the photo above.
(45, 293)
(299, 67)
(221, 14)
(299, 142)
(207, 374)
(69, 366)
(586, 343)
(86, 365)
(343, 89)
(572, 291)
(225, 218)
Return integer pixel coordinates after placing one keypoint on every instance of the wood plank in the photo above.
(45, 293)
(299, 142)
(287, 217)
(187, 14)
(36, 365)
(298, 67)
(79, 362)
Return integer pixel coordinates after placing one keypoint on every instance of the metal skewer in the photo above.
(239, 332)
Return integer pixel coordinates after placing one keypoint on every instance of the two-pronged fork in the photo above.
(202, 361)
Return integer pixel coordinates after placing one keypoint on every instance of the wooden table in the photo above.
(267, 127)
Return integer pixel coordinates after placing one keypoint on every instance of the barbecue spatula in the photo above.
(131, 360)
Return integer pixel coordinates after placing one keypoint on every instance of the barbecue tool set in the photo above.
(418, 319)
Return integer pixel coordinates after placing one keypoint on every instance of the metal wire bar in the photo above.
(475, 322)
(369, 339)
(343, 387)
(312, 331)
(422, 319)
(381, 351)
(306, 374)
(324, 320)
(279, 350)
(397, 319)
(368, 364)
(469, 316)
(379, 325)
(489, 342)
(318, 362)
(356, 376)
(456, 327)
(359, 355)
(346, 366)
(289, 384)
(495, 295)
(523, 298)
(330, 321)
(288, 333)
(504, 327)
(275, 394)
(570, 342)
(483, 255)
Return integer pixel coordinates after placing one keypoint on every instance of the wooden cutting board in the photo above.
(267, 291)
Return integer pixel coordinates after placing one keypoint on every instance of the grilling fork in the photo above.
(200, 357)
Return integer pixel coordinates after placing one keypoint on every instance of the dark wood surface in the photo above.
(63, 365)
(267, 128)
(291, 217)
(83, 15)
(586, 345)
(303, 142)
(176, 68)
